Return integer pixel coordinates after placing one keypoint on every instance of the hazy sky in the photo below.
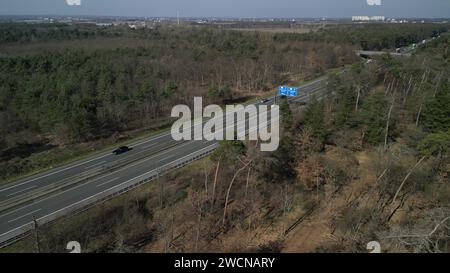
(230, 8)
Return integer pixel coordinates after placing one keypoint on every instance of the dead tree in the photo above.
(407, 90)
(215, 183)
(418, 115)
(387, 124)
(246, 183)
(357, 99)
(229, 190)
(197, 202)
(388, 88)
(422, 238)
(424, 79)
(437, 84)
(206, 181)
(169, 232)
(406, 178)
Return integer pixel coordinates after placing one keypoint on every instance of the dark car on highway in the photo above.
(121, 150)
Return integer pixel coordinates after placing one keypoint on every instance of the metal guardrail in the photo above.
(72, 181)
(23, 231)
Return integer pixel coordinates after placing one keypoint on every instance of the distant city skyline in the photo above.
(230, 8)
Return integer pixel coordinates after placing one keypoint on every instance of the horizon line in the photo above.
(215, 17)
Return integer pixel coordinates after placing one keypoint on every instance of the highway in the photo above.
(54, 191)
(365, 53)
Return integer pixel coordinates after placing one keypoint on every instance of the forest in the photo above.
(25, 33)
(370, 162)
(52, 99)
(371, 36)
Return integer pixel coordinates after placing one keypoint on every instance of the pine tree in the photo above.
(436, 117)
(373, 117)
(346, 99)
(315, 119)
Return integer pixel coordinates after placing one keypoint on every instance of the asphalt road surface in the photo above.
(51, 191)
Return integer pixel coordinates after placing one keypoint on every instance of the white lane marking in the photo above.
(83, 185)
(25, 215)
(14, 193)
(151, 145)
(161, 136)
(132, 165)
(107, 182)
(83, 199)
(309, 94)
(41, 200)
(150, 140)
(12, 230)
(65, 169)
(76, 188)
(147, 159)
(96, 164)
(135, 145)
(73, 166)
(117, 185)
(135, 154)
(129, 166)
(91, 181)
(167, 157)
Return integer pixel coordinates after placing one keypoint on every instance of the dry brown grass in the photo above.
(318, 230)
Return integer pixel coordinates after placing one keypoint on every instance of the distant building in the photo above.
(367, 18)
(103, 24)
(137, 24)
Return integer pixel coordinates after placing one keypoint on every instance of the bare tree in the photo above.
(438, 82)
(424, 79)
(357, 99)
(418, 115)
(206, 180)
(387, 124)
(229, 190)
(197, 202)
(215, 183)
(429, 234)
(246, 183)
(169, 232)
(407, 90)
(406, 178)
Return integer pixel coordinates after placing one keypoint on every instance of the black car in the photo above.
(121, 150)
(264, 100)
